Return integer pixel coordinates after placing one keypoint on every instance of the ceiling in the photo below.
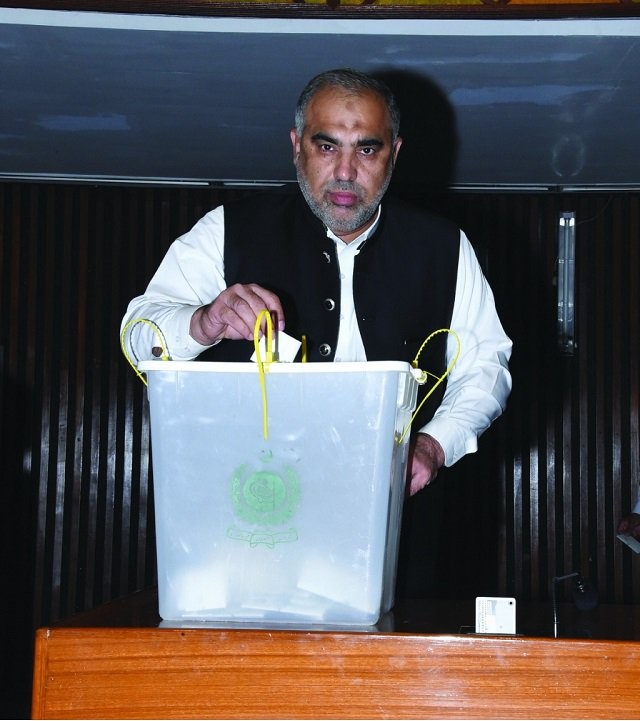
(108, 97)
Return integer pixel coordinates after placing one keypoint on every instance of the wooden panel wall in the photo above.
(567, 450)
(541, 498)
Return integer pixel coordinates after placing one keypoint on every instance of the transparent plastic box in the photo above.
(299, 527)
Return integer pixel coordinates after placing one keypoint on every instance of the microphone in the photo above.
(585, 596)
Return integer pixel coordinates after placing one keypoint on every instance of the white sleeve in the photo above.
(190, 275)
(479, 384)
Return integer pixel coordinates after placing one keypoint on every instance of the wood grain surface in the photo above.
(206, 673)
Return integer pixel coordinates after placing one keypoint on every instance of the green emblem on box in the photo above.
(265, 497)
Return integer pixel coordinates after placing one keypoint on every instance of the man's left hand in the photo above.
(425, 459)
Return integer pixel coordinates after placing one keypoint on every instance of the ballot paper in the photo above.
(284, 345)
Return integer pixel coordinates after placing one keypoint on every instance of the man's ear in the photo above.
(396, 148)
(295, 142)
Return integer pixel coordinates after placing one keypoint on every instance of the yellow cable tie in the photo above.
(163, 343)
(426, 374)
(271, 357)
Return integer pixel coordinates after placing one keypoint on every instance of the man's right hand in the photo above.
(233, 314)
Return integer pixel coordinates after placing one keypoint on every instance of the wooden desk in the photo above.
(86, 669)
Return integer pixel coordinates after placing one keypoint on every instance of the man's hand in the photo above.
(630, 525)
(425, 459)
(233, 314)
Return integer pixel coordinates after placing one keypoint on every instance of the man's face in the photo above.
(344, 158)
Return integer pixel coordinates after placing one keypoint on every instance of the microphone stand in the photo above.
(554, 602)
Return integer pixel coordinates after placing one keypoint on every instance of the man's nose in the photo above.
(345, 167)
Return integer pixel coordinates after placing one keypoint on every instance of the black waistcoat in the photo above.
(404, 279)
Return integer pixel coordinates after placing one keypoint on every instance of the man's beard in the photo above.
(324, 209)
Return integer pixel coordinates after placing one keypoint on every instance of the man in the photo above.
(361, 277)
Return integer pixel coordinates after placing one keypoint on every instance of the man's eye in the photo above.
(326, 147)
(367, 151)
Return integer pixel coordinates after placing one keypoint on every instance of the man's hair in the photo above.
(352, 81)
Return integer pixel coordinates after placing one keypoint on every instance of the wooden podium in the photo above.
(120, 662)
